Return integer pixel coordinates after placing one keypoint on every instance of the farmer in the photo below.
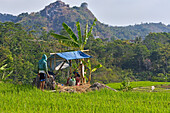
(42, 71)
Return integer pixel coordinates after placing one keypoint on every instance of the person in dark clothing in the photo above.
(77, 77)
(76, 74)
(42, 71)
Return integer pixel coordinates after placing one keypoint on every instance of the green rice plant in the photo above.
(28, 99)
(137, 84)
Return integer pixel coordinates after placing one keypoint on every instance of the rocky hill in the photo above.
(7, 17)
(53, 15)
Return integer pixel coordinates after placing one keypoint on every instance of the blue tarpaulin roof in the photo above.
(56, 59)
(73, 55)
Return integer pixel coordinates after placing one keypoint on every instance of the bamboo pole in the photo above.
(85, 50)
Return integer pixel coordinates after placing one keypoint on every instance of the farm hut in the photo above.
(58, 61)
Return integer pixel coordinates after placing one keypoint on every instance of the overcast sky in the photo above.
(112, 12)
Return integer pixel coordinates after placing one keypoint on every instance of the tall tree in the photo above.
(73, 41)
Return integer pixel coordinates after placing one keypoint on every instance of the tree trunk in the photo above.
(89, 77)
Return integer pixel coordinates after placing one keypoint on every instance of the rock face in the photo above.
(53, 9)
(49, 83)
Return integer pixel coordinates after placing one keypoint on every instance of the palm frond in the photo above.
(70, 32)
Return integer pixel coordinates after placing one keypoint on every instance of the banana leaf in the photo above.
(94, 23)
(96, 67)
(79, 32)
(86, 34)
(69, 43)
(59, 37)
(70, 32)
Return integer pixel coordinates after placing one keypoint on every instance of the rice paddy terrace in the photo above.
(28, 99)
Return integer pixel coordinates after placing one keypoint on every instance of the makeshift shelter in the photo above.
(58, 61)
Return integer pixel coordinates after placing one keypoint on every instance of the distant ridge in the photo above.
(53, 15)
(7, 17)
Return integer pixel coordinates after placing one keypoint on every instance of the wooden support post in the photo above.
(81, 71)
(70, 61)
(85, 50)
(51, 63)
(81, 75)
(54, 61)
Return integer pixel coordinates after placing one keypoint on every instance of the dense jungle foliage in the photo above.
(146, 59)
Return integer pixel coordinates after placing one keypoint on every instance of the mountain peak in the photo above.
(53, 8)
(58, 4)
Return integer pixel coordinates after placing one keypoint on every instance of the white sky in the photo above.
(112, 12)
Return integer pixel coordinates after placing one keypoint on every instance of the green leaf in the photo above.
(2, 62)
(86, 34)
(94, 23)
(59, 37)
(69, 43)
(96, 67)
(89, 64)
(7, 75)
(79, 32)
(84, 62)
(3, 67)
(70, 32)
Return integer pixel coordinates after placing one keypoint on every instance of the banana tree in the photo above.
(73, 41)
(88, 65)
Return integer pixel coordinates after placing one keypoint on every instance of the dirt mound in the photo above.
(98, 86)
(82, 88)
(166, 86)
